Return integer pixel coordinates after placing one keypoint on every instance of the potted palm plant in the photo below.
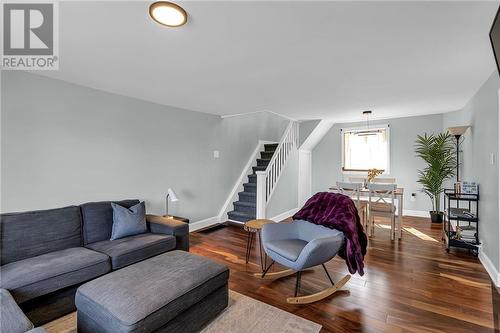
(438, 152)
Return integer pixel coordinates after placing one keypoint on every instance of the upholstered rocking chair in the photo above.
(300, 245)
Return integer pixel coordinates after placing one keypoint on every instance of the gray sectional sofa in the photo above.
(12, 318)
(46, 255)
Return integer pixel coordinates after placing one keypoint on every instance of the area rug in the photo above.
(244, 314)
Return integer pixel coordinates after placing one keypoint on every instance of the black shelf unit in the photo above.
(465, 202)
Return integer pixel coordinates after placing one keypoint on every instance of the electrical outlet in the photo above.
(492, 158)
(216, 154)
(413, 197)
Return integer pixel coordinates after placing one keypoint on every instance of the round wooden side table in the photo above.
(254, 227)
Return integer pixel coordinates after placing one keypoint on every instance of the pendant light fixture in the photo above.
(168, 14)
(367, 132)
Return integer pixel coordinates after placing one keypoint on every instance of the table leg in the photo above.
(393, 227)
(400, 217)
(249, 246)
(262, 259)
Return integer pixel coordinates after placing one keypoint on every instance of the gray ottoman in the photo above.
(175, 292)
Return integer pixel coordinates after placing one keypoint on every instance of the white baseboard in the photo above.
(490, 268)
(203, 223)
(282, 216)
(235, 222)
(416, 213)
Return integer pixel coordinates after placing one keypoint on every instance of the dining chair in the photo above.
(361, 180)
(381, 202)
(384, 180)
(352, 190)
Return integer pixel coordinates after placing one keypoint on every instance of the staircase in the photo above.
(245, 207)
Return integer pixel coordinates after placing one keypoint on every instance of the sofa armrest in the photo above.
(168, 226)
(13, 318)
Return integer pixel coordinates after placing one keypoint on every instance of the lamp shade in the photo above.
(457, 130)
(172, 195)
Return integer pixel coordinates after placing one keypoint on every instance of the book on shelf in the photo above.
(466, 233)
(461, 213)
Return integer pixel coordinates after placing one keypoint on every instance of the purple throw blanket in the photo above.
(337, 211)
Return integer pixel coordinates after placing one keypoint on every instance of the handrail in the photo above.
(267, 180)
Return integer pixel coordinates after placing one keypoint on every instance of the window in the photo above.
(365, 148)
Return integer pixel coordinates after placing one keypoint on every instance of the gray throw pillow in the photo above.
(128, 221)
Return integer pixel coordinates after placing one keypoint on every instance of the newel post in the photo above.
(261, 195)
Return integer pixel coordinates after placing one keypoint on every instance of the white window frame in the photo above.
(385, 127)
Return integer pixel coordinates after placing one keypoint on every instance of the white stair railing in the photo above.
(267, 180)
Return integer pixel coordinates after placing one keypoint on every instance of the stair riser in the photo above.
(266, 154)
(270, 148)
(239, 218)
(252, 179)
(251, 189)
(262, 163)
(258, 169)
(247, 198)
(246, 209)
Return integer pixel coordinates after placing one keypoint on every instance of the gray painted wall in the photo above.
(65, 144)
(479, 142)
(306, 128)
(327, 156)
(286, 195)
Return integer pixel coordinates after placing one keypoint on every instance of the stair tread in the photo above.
(250, 184)
(245, 203)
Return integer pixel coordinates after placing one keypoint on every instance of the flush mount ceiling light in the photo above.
(168, 13)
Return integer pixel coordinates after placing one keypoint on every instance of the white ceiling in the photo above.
(306, 60)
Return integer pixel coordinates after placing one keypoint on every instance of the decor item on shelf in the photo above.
(470, 187)
(173, 197)
(438, 153)
(372, 173)
(457, 132)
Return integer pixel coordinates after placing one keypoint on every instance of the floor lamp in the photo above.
(457, 132)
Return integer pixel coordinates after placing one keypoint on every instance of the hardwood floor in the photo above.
(411, 285)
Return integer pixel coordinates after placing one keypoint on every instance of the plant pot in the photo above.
(436, 217)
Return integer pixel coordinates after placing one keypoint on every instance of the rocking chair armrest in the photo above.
(319, 251)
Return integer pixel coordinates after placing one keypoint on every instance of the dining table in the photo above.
(399, 196)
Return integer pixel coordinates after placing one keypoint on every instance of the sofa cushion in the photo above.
(128, 221)
(145, 296)
(29, 234)
(12, 318)
(37, 276)
(128, 250)
(98, 219)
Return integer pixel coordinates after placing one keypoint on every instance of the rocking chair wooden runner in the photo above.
(301, 245)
